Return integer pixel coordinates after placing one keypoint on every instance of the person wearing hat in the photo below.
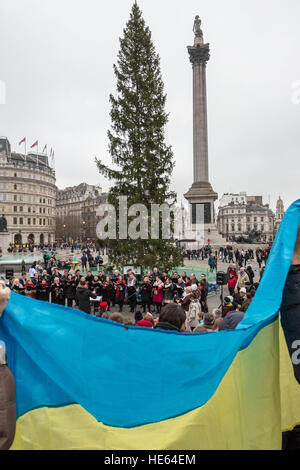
(238, 296)
(228, 305)
(147, 321)
(103, 308)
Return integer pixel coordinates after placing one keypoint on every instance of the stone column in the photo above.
(199, 55)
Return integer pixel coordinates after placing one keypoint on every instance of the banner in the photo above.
(88, 383)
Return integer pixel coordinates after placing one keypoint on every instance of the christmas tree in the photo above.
(142, 161)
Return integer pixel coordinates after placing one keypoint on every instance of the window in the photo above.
(21, 208)
(15, 186)
(21, 221)
(15, 221)
(33, 221)
(262, 228)
(15, 209)
(15, 197)
(262, 219)
(239, 228)
(255, 219)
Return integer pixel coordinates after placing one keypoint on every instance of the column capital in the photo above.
(199, 54)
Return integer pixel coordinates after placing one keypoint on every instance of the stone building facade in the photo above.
(27, 196)
(70, 204)
(89, 215)
(240, 219)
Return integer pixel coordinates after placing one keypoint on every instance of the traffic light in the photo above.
(221, 278)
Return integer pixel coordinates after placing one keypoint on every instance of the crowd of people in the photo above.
(147, 297)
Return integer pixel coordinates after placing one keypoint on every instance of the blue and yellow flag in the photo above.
(87, 383)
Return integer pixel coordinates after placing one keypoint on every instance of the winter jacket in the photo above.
(83, 296)
(158, 294)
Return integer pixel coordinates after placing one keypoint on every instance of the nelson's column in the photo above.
(201, 195)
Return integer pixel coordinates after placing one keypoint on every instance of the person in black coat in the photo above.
(57, 292)
(43, 291)
(146, 294)
(120, 292)
(131, 297)
(70, 290)
(84, 294)
(89, 278)
(96, 286)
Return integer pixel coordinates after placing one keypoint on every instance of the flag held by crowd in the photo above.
(88, 383)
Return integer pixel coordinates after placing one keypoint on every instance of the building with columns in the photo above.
(27, 196)
(239, 219)
(70, 205)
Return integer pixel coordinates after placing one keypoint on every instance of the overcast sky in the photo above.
(56, 59)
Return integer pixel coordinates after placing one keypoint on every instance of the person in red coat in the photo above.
(232, 282)
(158, 294)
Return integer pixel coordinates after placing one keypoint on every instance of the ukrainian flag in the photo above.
(87, 383)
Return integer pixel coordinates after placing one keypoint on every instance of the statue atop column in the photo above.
(197, 29)
(3, 224)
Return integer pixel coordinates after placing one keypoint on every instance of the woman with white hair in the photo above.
(243, 278)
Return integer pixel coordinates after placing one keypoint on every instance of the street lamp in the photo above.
(83, 224)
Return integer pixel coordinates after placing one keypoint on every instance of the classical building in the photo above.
(279, 213)
(243, 218)
(27, 196)
(71, 224)
(89, 215)
(229, 198)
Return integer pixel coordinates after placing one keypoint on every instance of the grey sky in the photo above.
(56, 59)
